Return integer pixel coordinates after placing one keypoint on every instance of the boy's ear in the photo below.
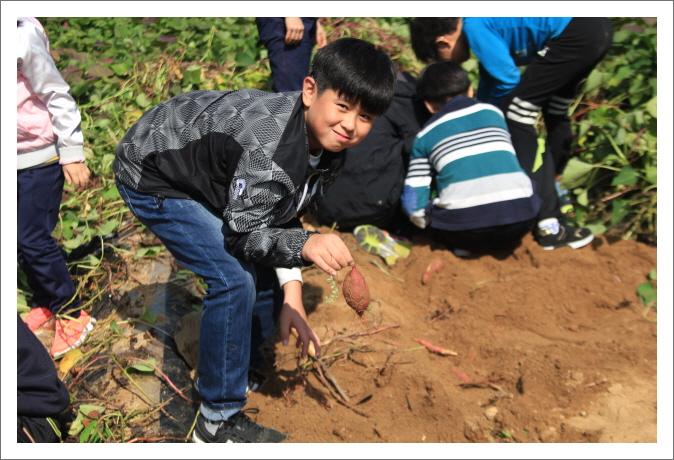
(309, 91)
(432, 106)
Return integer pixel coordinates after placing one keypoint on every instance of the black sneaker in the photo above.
(238, 428)
(573, 237)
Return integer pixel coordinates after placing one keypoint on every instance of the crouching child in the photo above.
(485, 201)
(222, 177)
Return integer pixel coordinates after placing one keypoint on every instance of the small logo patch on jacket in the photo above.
(239, 188)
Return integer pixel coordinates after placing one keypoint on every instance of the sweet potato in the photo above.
(356, 292)
(433, 267)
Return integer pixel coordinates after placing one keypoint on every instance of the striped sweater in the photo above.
(465, 153)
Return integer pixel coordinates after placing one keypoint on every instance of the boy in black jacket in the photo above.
(221, 177)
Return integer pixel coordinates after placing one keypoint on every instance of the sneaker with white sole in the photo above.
(239, 428)
(70, 333)
(566, 235)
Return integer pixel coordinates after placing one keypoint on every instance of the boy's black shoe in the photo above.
(238, 428)
(573, 237)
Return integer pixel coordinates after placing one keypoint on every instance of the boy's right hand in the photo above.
(328, 252)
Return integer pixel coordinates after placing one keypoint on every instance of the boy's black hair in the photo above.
(424, 32)
(357, 71)
(441, 81)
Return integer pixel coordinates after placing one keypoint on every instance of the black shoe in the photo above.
(238, 428)
(573, 237)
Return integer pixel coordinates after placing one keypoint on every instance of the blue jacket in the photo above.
(502, 45)
(466, 148)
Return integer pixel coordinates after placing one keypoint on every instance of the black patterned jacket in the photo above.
(245, 153)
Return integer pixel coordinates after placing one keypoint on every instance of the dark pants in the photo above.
(40, 393)
(549, 84)
(266, 312)
(39, 193)
(289, 63)
(500, 237)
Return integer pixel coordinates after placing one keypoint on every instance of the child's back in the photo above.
(466, 147)
(484, 198)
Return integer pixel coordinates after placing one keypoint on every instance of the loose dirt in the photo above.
(551, 346)
(547, 346)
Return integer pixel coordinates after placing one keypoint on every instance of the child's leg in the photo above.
(39, 197)
(289, 63)
(566, 62)
(193, 233)
(266, 312)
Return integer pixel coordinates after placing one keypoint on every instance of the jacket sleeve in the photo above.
(37, 65)
(498, 72)
(278, 247)
(417, 190)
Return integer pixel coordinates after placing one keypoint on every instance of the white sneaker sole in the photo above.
(575, 245)
(89, 327)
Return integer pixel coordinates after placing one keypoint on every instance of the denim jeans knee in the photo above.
(194, 233)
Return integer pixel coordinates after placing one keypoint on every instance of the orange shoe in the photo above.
(70, 333)
(37, 317)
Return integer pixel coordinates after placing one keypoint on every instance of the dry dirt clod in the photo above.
(491, 412)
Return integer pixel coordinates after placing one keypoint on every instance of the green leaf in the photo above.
(108, 227)
(627, 176)
(647, 294)
(621, 208)
(141, 367)
(652, 107)
(73, 243)
(653, 126)
(113, 326)
(244, 59)
(651, 173)
(84, 435)
(653, 275)
(86, 409)
(120, 68)
(143, 101)
(111, 193)
(596, 228)
(22, 278)
(148, 316)
(576, 173)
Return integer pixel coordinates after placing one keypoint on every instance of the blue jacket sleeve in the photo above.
(498, 72)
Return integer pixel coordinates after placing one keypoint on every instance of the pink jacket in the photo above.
(48, 120)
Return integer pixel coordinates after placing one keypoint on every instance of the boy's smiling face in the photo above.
(333, 123)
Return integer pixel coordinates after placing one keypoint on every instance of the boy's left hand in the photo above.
(294, 316)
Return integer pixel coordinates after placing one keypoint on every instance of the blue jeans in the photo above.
(194, 233)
